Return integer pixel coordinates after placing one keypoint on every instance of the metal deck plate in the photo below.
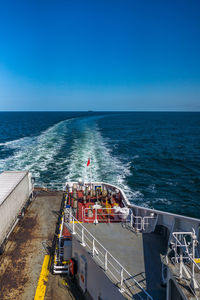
(139, 253)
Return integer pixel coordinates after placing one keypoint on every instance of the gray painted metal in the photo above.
(67, 255)
(116, 272)
(99, 286)
(15, 190)
(150, 225)
(138, 253)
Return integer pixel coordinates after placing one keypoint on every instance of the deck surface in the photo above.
(184, 284)
(138, 253)
(21, 263)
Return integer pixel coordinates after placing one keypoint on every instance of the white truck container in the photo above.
(16, 189)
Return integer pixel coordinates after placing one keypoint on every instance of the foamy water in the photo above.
(153, 157)
(38, 154)
(35, 153)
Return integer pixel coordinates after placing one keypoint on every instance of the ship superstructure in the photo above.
(109, 247)
(117, 250)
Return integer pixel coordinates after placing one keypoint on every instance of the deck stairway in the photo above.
(58, 266)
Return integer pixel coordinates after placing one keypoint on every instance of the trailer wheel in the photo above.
(22, 213)
(31, 197)
(2, 248)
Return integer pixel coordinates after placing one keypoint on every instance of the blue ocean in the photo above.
(153, 156)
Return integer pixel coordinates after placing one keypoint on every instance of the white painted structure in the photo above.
(15, 189)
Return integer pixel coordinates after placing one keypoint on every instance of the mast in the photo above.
(90, 180)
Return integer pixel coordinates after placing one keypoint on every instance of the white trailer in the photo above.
(16, 188)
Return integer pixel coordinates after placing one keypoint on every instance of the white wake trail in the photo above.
(35, 153)
(60, 154)
(103, 167)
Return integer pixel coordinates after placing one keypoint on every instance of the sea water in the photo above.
(153, 156)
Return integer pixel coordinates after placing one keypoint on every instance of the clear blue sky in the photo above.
(101, 55)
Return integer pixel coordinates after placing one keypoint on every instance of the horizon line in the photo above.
(104, 111)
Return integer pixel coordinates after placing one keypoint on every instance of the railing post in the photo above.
(121, 280)
(176, 250)
(142, 223)
(70, 215)
(131, 219)
(83, 241)
(95, 216)
(93, 247)
(181, 265)
(73, 227)
(193, 256)
(106, 261)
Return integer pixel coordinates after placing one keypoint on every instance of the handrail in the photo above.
(104, 212)
(50, 186)
(73, 224)
(179, 258)
(133, 206)
(174, 235)
(137, 222)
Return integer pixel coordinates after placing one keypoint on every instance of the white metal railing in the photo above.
(104, 215)
(146, 222)
(50, 186)
(137, 222)
(143, 224)
(107, 215)
(114, 270)
(185, 255)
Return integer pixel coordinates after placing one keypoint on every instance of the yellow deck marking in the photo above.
(41, 288)
(64, 262)
(64, 282)
(197, 260)
(75, 222)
